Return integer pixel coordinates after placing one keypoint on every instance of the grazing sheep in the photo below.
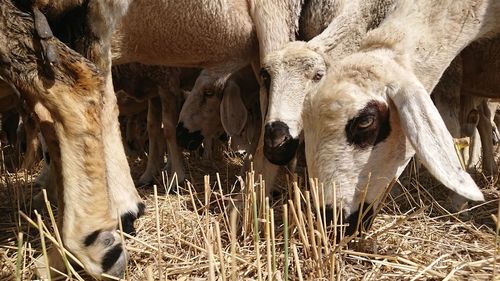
(372, 111)
(296, 68)
(87, 27)
(67, 99)
(234, 109)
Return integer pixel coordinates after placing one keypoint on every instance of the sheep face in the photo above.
(200, 115)
(353, 140)
(367, 119)
(287, 75)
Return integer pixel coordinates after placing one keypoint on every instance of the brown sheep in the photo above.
(67, 99)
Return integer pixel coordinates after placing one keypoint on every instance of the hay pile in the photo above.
(194, 235)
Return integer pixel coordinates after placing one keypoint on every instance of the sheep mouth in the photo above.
(188, 140)
(283, 152)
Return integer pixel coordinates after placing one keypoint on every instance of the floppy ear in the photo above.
(433, 144)
(233, 113)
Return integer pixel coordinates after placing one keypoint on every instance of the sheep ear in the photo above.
(433, 144)
(233, 112)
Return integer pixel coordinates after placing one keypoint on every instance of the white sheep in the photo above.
(234, 109)
(373, 111)
(296, 68)
(239, 31)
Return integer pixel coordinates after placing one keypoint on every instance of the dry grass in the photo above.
(193, 235)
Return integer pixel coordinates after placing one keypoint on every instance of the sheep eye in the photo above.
(365, 122)
(317, 77)
(370, 127)
(266, 78)
(208, 93)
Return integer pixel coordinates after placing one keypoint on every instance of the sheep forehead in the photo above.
(196, 102)
(298, 55)
(342, 99)
(203, 82)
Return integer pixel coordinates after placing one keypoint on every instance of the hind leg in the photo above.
(156, 143)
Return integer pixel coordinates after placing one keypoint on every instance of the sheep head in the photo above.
(365, 122)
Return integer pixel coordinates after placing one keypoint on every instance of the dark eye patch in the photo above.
(363, 136)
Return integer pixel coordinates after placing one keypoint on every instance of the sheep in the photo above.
(372, 112)
(87, 27)
(67, 100)
(241, 32)
(234, 109)
(290, 72)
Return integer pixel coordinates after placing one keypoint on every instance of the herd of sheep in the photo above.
(350, 80)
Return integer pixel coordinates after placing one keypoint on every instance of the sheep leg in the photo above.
(486, 132)
(170, 116)
(156, 143)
